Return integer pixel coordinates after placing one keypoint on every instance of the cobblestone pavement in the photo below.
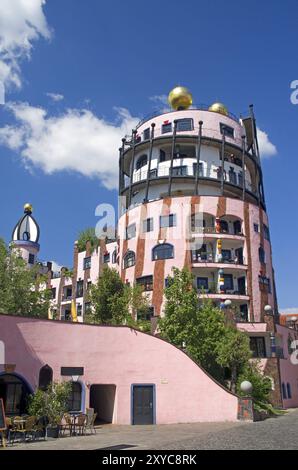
(274, 433)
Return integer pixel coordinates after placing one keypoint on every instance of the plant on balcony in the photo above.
(87, 235)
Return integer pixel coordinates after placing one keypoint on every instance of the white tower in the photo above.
(25, 236)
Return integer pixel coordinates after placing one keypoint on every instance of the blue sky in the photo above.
(103, 56)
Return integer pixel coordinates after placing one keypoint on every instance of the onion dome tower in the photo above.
(25, 236)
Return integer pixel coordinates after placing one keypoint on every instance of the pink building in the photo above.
(192, 195)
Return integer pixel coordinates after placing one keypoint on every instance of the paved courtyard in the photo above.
(274, 433)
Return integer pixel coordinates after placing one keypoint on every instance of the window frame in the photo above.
(172, 221)
(184, 120)
(157, 248)
(129, 255)
(87, 262)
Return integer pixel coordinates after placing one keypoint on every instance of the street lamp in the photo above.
(246, 387)
(228, 303)
(268, 309)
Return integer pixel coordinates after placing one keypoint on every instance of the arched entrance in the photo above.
(15, 391)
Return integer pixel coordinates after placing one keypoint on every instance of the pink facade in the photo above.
(121, 357)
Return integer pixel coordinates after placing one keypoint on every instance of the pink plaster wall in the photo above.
(120, 356)
(288, 369)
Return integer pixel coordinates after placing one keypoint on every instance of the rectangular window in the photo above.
(87, 262)
(148, 225)
(106, 257)
(202, 283)
(80, 288)
(79, 310)
(226, 256)
(31, 258)
(146, 134)
(166, 127)
(266, 232)
(257, 346)
(226, 130)
(53, 292)
(168, 220)
(130, 231)
(265, 283)
(256, 228)
(228, 282)
(179, 171)
(184, 125)
(146, 282)
(162, 156)
(87, 307)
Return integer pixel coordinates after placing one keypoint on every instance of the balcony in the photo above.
(212, 258)
(189, 171)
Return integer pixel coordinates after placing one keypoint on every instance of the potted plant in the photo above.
(51, 404)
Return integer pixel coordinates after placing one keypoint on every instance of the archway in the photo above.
(15, 391)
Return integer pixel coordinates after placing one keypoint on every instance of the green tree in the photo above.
(114, 302)
(233, 352)
(87, 235)
(22, 289)
(52, 403)
(261, 385)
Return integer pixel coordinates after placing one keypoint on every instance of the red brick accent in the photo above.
(246, 219)
(140, 252)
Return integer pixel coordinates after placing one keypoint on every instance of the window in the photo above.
(266, 232)
(201, 169)
(257, 346)
(262, 255)
(162, 156)
(226, 130)
(256, 228)
(142, 161)
(284, 391)
(200, 254)
(80, 288)
(79, 310)
(163, 251)
(67, 293)
(168, 220)
(265, 283)
(237, 227)
(114, 257)
(228, 282)
(130, 231)
(226, 255)
(87, 262)
(166, 127)
(184, 125)
(106, 257)
(179, 171)
(45, 377)
(146, 282)
(148, 225)
(244, 312)
(224, 226)
(87, 307)
(53, 292)
(147, 315)
(289, 390)
(202, 283)
(75, 398)
(146, 134)
(31, 258)
(129, 259)
(232, 176)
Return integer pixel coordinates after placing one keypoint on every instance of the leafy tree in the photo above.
(51, 403)
(233, 352)
(87, 235)
(22, 289)
(260, 383)
(114, 302)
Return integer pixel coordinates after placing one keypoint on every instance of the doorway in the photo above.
(14, 392)
(143, 404)
(102, 399)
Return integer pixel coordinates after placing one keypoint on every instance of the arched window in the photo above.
(129, 259)
(289, 390)
(142, 161)
(163, 251)
(75, 398)
(114, 257)
(262, 255)
(45, 377)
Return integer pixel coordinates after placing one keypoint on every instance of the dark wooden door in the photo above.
(143, 405)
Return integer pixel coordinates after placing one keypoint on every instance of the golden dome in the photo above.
(28, 207)
(180, 98)
(218, 108)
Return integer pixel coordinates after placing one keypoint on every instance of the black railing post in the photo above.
(149, 162)
(198, 158)
(172, 157)
(132, 164)
(223, 162)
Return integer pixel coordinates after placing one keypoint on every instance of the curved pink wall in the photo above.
(120, 356)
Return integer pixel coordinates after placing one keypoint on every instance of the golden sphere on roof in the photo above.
(219, 108)
(180, 98)
(28, 207)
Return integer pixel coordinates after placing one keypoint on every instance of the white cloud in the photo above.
(75, 141)
(21, 23)
(267, 148)
(289, 311)
(55, 96)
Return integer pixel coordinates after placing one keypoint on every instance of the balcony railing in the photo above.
(211, 258)
(231, 292)
(189, 171)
